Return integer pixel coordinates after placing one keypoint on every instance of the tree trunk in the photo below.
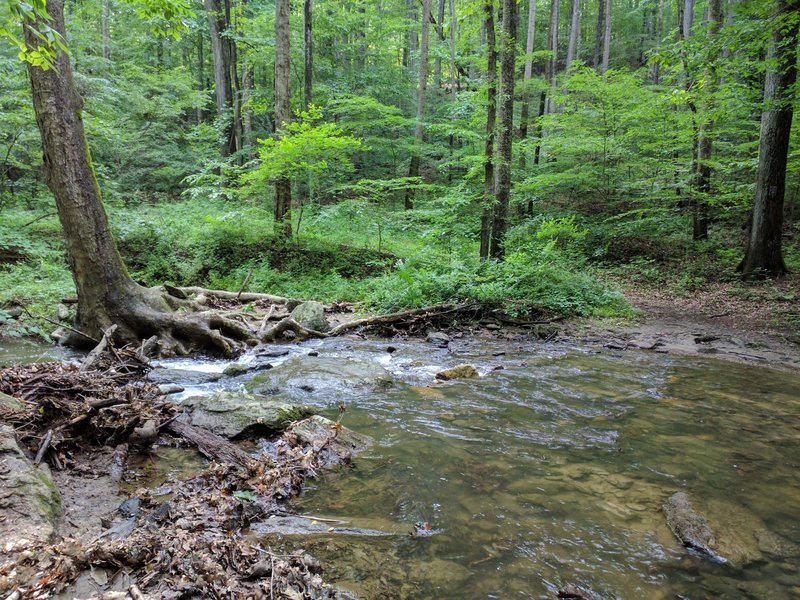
(491, 113)
(526, 78)
(106, 293)
(308, 53)
(687, 18)
(419, 130)
(453, 71)
(706, 129)
(764, 255)
(506, 129)
(201, 75)
(106, 30)
(247, 119)
(574, 33)
(598, 33)
(551, 68)
(437, 63)
(283, 112)
(607, 36)
(223, 51)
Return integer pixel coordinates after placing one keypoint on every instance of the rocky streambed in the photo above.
(498, 465)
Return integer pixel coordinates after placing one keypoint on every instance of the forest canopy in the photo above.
(537, 155)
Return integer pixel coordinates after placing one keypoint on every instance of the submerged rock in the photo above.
(726, 533)
(28, 493)
(311, 315)
(182, 377)
(234, 415)
(690, 527)
(333, 377)
(338, 444)
(458, 372)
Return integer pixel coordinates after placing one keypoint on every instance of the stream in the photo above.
(550, 468)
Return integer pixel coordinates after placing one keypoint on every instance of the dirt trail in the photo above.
(694, 327)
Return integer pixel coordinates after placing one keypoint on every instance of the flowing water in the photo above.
(551, 470)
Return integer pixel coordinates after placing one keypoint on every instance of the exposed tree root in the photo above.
(179, 321)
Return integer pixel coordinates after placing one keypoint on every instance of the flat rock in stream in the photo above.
(331, 377)
(726, 533)
(233, 415)
(28, 497)
(337, 444)
(293, 525)
(182, 377)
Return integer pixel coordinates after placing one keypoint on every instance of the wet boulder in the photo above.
(458, 372)
(438, 339)
(333, 378)
(236, 415)
(724, 532)
(336, 444)
(182, 377)
(28, 493)
(311, 315)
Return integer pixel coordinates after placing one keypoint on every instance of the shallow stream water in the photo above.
(551, 470)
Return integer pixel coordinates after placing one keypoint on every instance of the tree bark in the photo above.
(506, 129)
(764, 255)
(574, 33)
(223, 50)
(283, 112)
(419, 129)
(437, 63)
(308, 53)
(607, 36)
(598, 33)
(106, 293)
(526, 79)
(453, 70)
(706, 129)
(551, 68)
(491, 114)
(106, 30)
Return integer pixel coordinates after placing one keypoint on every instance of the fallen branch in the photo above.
(43, 448)
(398, 317)
(95, 354)
(211, 445)
(241, 297)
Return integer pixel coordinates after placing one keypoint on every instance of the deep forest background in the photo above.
(604, 165)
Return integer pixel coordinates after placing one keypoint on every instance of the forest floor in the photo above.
(754, 323)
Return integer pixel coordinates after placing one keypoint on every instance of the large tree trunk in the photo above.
(574, 33)
(607, 37)
(526, 79)
(106, 293)
(764, 255)
(308, 53)
(491, 114)
(223, 50)
(706, 129)
(283, 111)
(419, 130)
(506, 129)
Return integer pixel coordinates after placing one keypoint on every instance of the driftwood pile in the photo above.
(193, 546)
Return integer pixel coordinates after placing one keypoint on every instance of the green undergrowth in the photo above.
(384, 262)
